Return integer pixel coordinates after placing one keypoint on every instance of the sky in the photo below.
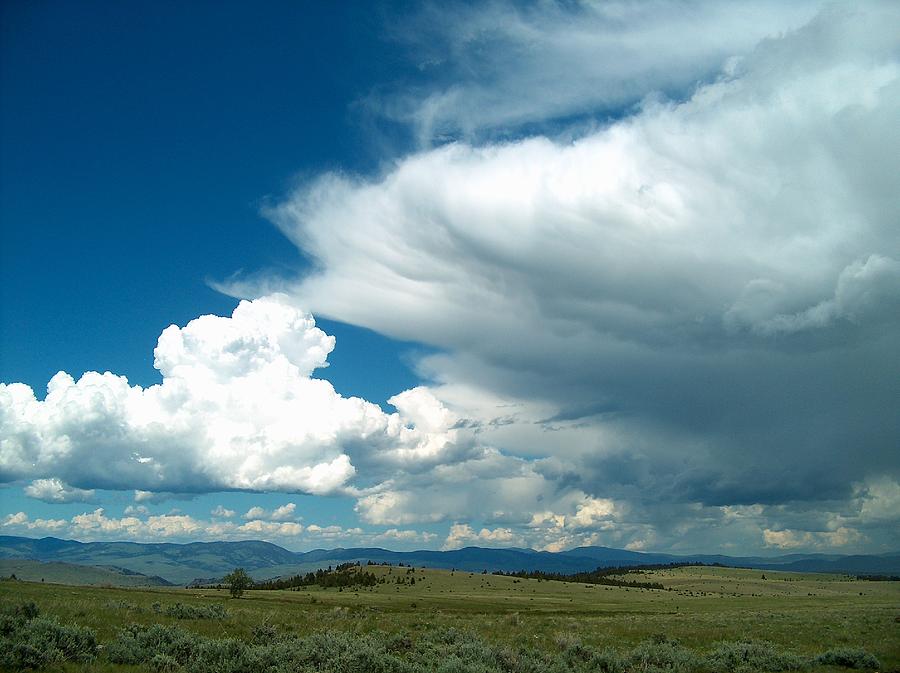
(543, 274)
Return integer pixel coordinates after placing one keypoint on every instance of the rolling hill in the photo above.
(184, 563)
(54, 572)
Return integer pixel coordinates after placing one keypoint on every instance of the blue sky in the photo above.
(139, 145)
(619, 274)
(140, 120)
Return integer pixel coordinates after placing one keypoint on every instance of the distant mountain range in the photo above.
(184, 563)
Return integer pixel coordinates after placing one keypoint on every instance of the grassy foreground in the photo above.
(459, 622)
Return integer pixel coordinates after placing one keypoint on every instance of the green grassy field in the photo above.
(802, 613)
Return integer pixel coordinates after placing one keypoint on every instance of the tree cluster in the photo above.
(602, 576)
(343, 576)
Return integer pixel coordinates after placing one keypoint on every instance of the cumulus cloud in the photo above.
(462, 535)
(329, 532)
(222, 512)
(97, 524)
(394, 535)
(283, 513)
(17, 519)
(55, 490)
(237, 409)
(692, 306)
(791, 539)
(271, 528)
(21, 520)
(141, 526)
(255, 513)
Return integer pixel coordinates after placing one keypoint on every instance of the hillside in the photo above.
(177, 563)
(184, 563)
(53, 572)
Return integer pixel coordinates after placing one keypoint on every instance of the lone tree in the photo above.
(238, 580)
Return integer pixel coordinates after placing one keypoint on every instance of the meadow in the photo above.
(705, 619)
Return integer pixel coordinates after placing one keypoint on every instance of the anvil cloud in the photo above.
(698, 303)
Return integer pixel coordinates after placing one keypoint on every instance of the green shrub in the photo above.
(184, 611)
(263, 634)
(848, 657)
(23, 611)
(74, 643)
(347, 653)
(398, 642)
(226, 655)
(752, 656)
(28, 641)
(19, 656)
(573, 650)
(454, 664)
(660, 654)
(163, 663)
(138, 644)
(607, 661)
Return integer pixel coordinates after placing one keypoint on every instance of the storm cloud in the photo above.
(696, 304)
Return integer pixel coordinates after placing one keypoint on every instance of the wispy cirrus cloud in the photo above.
(502, 68)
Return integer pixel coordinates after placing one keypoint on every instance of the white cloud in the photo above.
(21, 520)
(488, 486)
(592, 511)
(282, 513)
(394, 535)
(97, 525)
(255, 513)
(222, 512)
(89, 524)
(158, 496)
(501, 65)
(237, 409)
(272, 528)
(794, 539)
(879, 500)
(138, 525)
(693, 305)
(863, 287)
(324, 531)
(55, 490)
(462, 535)
(17, 519)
